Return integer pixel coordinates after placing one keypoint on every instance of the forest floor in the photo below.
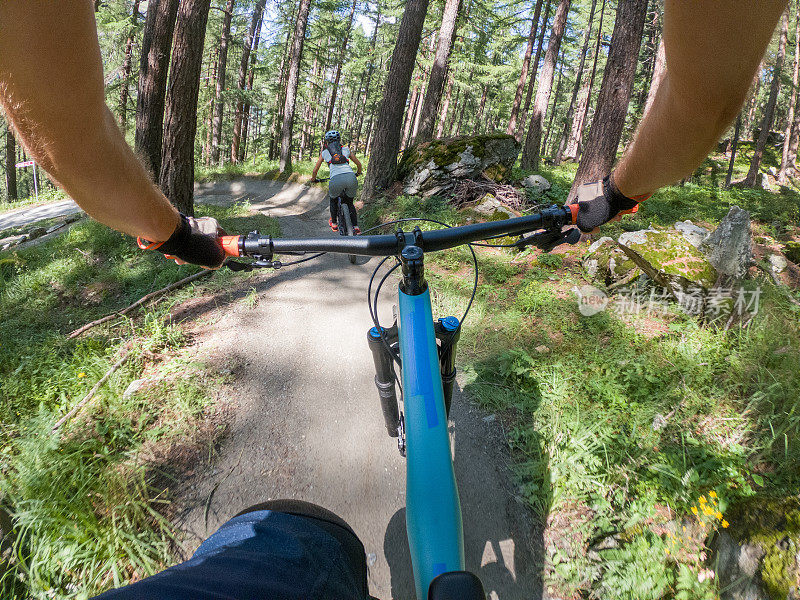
(555, 411)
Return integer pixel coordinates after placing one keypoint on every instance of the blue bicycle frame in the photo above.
(433, 510)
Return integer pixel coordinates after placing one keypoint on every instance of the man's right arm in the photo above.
(51, 87)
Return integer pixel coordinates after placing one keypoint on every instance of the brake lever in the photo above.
(547, 240)
(235, 265)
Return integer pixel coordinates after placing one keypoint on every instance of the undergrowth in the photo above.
(90, 502)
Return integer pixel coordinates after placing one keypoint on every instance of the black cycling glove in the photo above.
(601, 201)
(194, 241)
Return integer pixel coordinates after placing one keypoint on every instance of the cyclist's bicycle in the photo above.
(424, 352)
(344, 221)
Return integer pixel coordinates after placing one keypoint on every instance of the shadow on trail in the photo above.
(503, 540)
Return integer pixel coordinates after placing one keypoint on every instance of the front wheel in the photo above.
(346, 226)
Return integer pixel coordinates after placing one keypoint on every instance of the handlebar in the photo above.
(551, 220)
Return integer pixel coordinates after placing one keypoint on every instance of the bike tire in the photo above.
(344, 219)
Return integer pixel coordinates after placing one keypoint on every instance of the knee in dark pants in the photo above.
(330, 522)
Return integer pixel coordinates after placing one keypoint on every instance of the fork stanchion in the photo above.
(385, 376)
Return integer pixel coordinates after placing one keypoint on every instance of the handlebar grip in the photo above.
(573, 208)
(231, 244)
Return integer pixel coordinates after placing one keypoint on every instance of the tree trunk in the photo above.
(576, 134)
(481, 107)
(370, 70)
(576, 88)
(523, 75)
(126, 69)
(153, 69)
(241, 149)
(280, 97)
(241, 83)
(338, 74)
(445, 108)
(180, 123)
(291, 86)
(409, 120)
(615, 94)
(454, 119)
(529, 93)
(212, 76)
(219, 102)
(383, 160)
(786, 158)
(752, 107)
(554, 104)
(769, 111)
(11, 160)
(735, 144)
(441, 61)
(531, 151)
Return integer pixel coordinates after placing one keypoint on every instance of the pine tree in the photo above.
(291, 85)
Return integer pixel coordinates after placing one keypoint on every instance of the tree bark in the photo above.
(786, 157)
(291, 86)
(441, 61)
(126, 69)
(11, 160)
(445, 108)
(370, 70)
(383, 160)
(338, 74)
(241, 149)
(575, 136)
(576, 88)
(554, 103)
(250, 47)
(529, 93)
(219, 102)
(481, 107)
(769, 111)
(523, 75)
(180, 123)
(531, 155)
(153, 69)
(409, 120)
(735, 144)
(615, 94)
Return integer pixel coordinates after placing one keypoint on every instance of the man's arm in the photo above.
(51, 87)
(712, 48)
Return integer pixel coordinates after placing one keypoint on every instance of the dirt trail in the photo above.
(308, 424)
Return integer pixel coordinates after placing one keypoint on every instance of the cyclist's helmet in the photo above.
(333, 136)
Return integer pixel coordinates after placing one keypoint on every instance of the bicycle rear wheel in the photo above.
(346, 225)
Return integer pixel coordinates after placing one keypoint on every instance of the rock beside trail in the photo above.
(536, 183)
(756, 557)
(491, 206)
(434, 167)
(791, 250)
(693, 233)
(670, 260)
(729, 246)
(607, 262)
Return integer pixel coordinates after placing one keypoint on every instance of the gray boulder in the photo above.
(536, 183)
(693, 233)
(607, 263)
(490, 206)
(756, 557)
(729, 247)
(434, 167)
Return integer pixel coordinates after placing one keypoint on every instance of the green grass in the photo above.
(89, 503)
(580, 396)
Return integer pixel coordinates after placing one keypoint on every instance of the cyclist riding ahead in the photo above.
(52, 92)
(343, 183)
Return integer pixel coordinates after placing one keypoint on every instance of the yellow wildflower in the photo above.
(81, 374)
(702, 499)
(725, 524)
(694, 510)
(718, 515)
(712, 493)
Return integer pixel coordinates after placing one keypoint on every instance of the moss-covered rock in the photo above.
(791, 250)
(668, 258)
(433, 167)
(757, 555)
(607, 263)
